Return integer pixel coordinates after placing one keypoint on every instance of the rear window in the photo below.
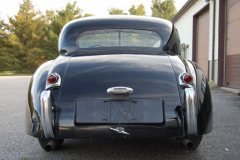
(119, 38)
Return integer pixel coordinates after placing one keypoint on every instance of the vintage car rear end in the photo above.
(118, 77)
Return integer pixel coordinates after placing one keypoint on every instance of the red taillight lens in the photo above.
(187, 78)
(52, 79)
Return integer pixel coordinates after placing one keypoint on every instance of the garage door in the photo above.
(203, 41)
(232, 79)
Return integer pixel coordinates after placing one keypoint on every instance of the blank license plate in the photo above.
(119, 111)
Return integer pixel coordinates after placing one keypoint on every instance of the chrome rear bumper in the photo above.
(46, 114)
(191, 111)
(191, 105)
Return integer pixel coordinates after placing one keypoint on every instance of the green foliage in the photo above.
(31, 38)
(22, 46)
(116, 11)
(88, 15)
(140, 10)
(55, 22)
(10, 73)
(165, 9)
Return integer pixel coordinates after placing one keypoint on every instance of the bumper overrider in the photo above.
(191, 110)
(46, 114)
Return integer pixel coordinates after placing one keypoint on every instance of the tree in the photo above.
(140, 10)
(59, 18)
(165, 9)
(31, 38)
(88, 15)
(5, 57)
(22, 45)
(114, 11)
(55, 22)
(3, 34)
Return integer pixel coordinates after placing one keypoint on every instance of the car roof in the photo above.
(70, 32)
(122, 18)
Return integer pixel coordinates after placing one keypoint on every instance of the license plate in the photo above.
(119, 111)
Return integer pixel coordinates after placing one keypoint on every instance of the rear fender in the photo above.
(196, 100)
(37, 85)
(197, 103)
(33, 106)
(203, 102)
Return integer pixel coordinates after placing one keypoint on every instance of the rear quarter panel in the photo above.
(36, 86)
(203, 101)
(33, 106)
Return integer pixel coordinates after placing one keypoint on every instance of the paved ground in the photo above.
(222, 143)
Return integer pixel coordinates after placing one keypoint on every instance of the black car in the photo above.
(118, 77)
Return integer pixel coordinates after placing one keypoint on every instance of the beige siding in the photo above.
(233, 48)
(203, 41)
(185, 24)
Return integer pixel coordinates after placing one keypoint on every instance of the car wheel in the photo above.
(43, 141)
(196, 140)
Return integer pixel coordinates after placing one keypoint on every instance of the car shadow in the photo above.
(163, 148)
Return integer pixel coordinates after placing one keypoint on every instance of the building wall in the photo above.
(216, 43)
(210, 30)
(185, 28)
(184, 24)
(214, 79)
(216, 30)
(210, 40)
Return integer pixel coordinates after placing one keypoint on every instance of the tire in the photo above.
(44, 141)
(196, 141)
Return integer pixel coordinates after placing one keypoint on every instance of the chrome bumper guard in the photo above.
(191, 111)
(46, 114)
(191, 105)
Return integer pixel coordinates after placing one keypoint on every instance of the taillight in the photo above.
(52, 79)
(187, 78)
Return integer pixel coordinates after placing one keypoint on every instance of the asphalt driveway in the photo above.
(222, 143)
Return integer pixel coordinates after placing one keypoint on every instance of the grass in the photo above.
(13, 73)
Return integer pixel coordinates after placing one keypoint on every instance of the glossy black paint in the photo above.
(103, 131)
(204, 100)
(70, 32)
(173, 45)
(151, 76)
(88, 74)
(33, 107)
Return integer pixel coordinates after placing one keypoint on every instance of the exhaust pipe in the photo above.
(53, 145)
(186, 143)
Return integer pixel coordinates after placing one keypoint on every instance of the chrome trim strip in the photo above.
(191, 104)
(52, 85)
(119, 90)
(46, 112)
